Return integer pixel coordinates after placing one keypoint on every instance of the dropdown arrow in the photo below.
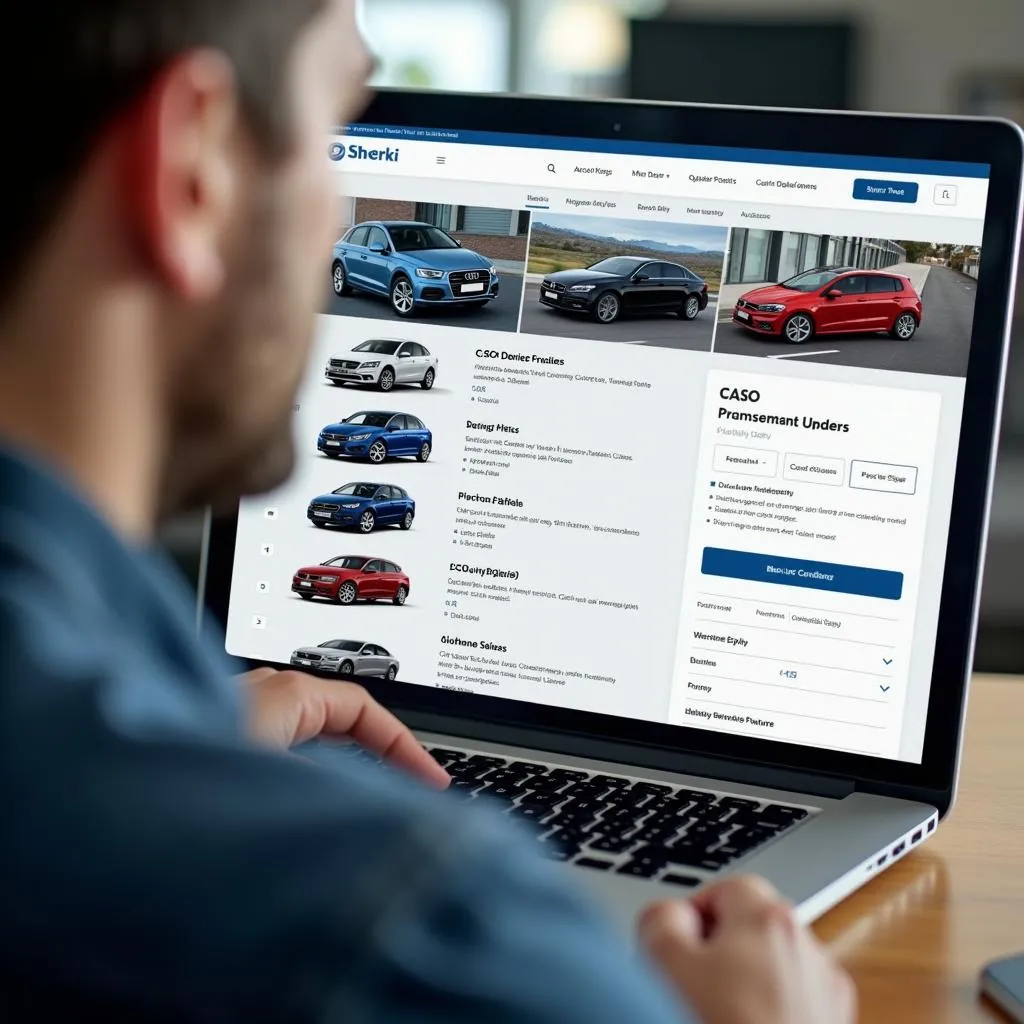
(887, 661)
(884, 689)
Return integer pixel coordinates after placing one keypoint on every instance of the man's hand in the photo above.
(738, 956)
(288, 708)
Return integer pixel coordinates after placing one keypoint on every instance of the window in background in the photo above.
(461, 45)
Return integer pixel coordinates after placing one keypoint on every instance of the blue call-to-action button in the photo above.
(797, 572)
(884, 191)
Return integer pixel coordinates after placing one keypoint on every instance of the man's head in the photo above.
(175, 191)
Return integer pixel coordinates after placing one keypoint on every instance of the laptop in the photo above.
(644, 468)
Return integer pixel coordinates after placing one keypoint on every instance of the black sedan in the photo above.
(626, 285)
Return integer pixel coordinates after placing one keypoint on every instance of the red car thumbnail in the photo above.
(350, 578)
(832, 300)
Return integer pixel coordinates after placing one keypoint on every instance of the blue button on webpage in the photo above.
(797, 572)
(884, 191)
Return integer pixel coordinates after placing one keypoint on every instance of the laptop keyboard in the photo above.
(616, 824)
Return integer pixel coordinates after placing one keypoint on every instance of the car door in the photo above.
(369, 661)
(405, 360)
(673, 287)
(418, 433)
(391, 577)
(372, 583)
(644, 288)
(351, 255)
(883, 304)
(376, 260)
(384, 504)
(846, 312)
(397, 436)
(421, 358)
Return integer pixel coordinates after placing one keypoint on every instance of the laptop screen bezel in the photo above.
(914, 138)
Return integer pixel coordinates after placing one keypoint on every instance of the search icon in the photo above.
(551, 168)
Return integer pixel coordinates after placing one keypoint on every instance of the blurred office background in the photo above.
(922, 56)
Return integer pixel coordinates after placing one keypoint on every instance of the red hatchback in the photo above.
(350, 578)
(832, 301)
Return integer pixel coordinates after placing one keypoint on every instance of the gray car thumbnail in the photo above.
(347, 658)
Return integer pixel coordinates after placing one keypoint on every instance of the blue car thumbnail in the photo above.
(364, 506)
(376, 436)
(415, 265)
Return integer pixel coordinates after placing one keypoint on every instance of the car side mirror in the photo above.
(642, 277)
(404, 355)
(833, 293)
(378, 248)
(458, 243)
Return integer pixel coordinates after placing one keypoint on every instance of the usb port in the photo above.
(931, 825)
(899, 849)
(881, 860)
(917, 836)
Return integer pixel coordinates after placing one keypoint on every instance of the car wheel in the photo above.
(347, 593)
(905, 327)
(367, 521)
(798, 328)
(306, 597)
(690, 308)
(392, 672)
(406, 522)
(424, 453)
(386, 380)
(346, 668)
(400, 595)
(403, 301)
(338, 279)
(607, 308)
(378, 452)
(428, 380)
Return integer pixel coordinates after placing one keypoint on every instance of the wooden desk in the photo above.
(916, 937)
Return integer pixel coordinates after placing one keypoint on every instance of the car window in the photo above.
(855, 284)
(379, 346)
(357, 236)
(418, 350)
(373, 566)
(377, 237)
(383, 493)
(415, 424)
(405, 350)
(652, 270)
(399, 493)
(368, 419)
(882, 284)
(382, 652)
(620, 266)
(398, 421)
(345, 562)
(390, 567)
(417, 237)
(672, 270)
(357, 490)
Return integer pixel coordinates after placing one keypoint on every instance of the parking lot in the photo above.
(500, 314)
(663, 331)
(941, 344)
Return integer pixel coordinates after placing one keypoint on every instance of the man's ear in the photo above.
(179, 181)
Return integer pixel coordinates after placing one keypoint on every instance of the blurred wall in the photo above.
(914, 53)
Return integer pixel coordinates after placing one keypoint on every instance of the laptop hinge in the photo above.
(635, 755)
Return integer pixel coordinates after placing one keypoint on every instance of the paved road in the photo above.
(941, 344)
(663, 331)
(500, 314)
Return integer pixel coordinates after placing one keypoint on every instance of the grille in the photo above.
(323, 506)
(304, 576)
(553, 287)
(462, 278)
(343, 364)
(334, 437)
(311, 657)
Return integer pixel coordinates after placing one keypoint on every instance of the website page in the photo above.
(660, 432)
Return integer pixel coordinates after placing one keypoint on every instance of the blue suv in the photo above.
(364, 506)
(376, 436)
(414, 264)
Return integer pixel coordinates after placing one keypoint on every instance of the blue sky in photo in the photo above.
(702, 236)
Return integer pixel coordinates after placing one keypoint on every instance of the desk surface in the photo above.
(916, 937)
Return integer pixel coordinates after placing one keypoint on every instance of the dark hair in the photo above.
(83, 63)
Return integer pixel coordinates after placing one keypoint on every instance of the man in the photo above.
(167, 213)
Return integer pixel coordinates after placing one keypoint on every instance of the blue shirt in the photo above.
(155, 865)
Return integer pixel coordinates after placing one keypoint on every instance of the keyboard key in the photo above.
(658, 834)
(549, 784)
(615, 843)
(735, 803)
(501, 790)
(687, 881)
(450, 755)
(465, 785)
(641, 868)
(486, 761)
(534, 769)
(593, 862)
(746, 839)
(531, 812)
(569, 774)
(780, 813)
(651, 788)
(611, 781)
(586, 789)
(541, 799)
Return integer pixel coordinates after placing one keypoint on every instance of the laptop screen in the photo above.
(662, 432)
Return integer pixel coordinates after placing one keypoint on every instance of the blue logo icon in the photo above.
(336, 151)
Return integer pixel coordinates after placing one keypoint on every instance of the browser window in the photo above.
(655, 431)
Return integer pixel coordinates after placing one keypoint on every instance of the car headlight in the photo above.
(432, 274)
(359, 437)
(494, 271)
(582, 288)
(354, 504)
(772, 307)
(331, 657)
(326, 579)
(369, 366)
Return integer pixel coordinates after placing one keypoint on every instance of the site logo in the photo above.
(354, 151)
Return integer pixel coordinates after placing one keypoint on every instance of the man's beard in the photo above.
(232, 415)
